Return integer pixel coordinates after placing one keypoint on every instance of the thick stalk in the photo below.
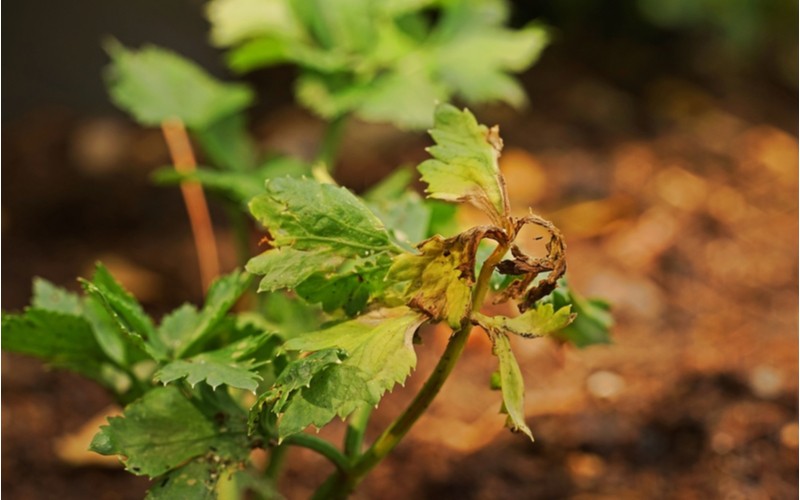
(180, 150)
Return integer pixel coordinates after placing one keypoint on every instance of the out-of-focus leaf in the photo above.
(382, 60)
(227, 143)
(477, 61)
(52, 298)
(593, 319)
(407, 217)
(222, 295)
(155, 84)
(234, 21)
(392, 187)
(443, 219)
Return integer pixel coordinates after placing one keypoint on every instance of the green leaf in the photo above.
(131, 320)
(178, 325)
(305, 214)
(380, 355)
(464, 165)
(443, 219)
(351, 287)
(196, 480)
(404, 97)
(407, 217)
(344, 25)
(155, 84)
(164, 429)
(391, 187)
(477, 61)
(298, 375)
(62, 340)
(537, 322)
(335, 391)
(319, 232)
(232, 365)
(234, 21)
(382, 60)
(227, 143)
(511, 384)
(222, 295)
(48, 296)
(289, 316)
(593, 319)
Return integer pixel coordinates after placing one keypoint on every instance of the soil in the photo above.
(677, 195)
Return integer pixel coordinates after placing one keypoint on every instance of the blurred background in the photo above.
(661, 138)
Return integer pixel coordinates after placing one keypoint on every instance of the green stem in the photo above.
(331, 142)
(321, 446)
(241, 232)
(356, 428)
(342, 482)
(387, 441)
(276, 458)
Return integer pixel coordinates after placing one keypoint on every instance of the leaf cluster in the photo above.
(381, 60)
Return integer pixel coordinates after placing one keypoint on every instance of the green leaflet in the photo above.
(511, 384)
(155, 84)
(78, 334)
(233, 365)
(185, 330)
(407, 217)
(134, 325)
(537, 322)
(227, 143)
(221, 296)
(321, 233)
(298, 375)
(464, 164)
(196, 480)
(164, 429)
(305, 214)
(592, 322)
(52, 298)
(63, 340)
(379, 355)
